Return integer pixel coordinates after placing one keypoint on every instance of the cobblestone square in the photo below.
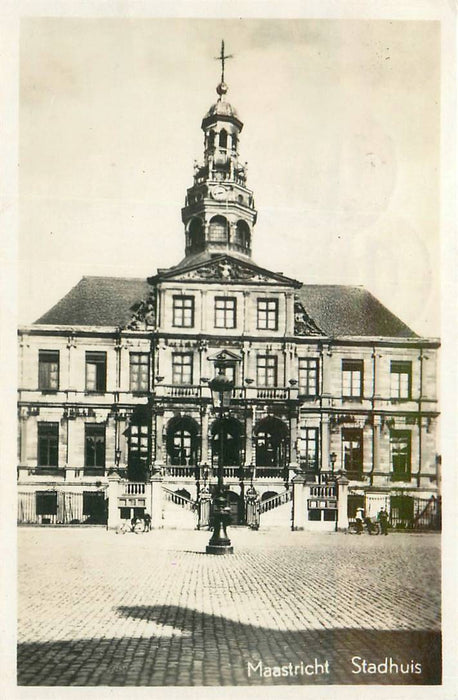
(96, 608)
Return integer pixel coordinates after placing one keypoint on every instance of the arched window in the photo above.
(196, 235)
(223, 138)
(219, 228)
(227, 436)
(211, 139)
(242, 234)
(234, 142)
(271, 442)
(182, 432)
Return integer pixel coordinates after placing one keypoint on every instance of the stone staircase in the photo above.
(276, 511)
(183, 517)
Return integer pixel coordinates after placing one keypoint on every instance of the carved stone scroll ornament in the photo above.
(303, 324)
(144, 316)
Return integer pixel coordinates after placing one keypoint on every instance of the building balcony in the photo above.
(229, 472)
(239, 393)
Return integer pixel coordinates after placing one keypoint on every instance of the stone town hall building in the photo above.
(115, 414)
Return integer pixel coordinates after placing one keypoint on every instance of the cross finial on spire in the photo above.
(222, 57)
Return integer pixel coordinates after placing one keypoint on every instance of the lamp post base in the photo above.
(220, 549)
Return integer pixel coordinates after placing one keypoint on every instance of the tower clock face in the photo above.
(218, 192)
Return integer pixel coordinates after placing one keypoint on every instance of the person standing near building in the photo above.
(359, 520)
(382, 517)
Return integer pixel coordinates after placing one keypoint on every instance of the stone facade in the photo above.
(114, 381)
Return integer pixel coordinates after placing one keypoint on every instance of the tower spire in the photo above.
(223, 58)
(219, 212)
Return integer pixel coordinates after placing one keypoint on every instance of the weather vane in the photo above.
(223, 57)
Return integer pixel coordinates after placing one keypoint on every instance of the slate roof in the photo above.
(344, 310)
(98, 301)
(338, 310)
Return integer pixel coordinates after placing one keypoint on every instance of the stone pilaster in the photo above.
(156, 502)
(293, 441)
(376, 427)
(158, 456)
(249, 438)
(342, 502)
(325, 442)
(114, 520)
(299, 503)
(204, 437)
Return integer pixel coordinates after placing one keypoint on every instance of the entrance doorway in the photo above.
(236, 506)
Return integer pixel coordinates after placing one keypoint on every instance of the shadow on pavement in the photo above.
(210, 650)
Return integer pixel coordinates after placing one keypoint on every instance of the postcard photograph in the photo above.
(229, 457)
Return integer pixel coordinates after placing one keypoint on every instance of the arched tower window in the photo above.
(196, 235)
(242, 234)
(211, 139)
(234, 142)
(219, 229)
(223, 138)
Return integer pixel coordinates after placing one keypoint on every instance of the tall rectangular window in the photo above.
(94, 454)
(308, 376)
(401, 380)
(96, 371)
(138, 442)
(267, 314)
(48, 445)
(352, 447)
(400, 443)
(182, 368)
(48, 370)
(266, 370)
(352, 378)
(308, 447)
(46, 502)
(183, 311)
(225, 312)
(139, 371)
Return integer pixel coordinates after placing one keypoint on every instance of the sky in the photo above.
(341, 134)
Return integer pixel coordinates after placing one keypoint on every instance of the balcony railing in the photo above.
(272, 393)
(229, 472)
(197, 391)
(135, 488)
(323, 491)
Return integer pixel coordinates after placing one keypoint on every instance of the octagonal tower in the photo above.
(219, 213)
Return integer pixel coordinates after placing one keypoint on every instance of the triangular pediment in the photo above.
(227, 269)
(224, 356)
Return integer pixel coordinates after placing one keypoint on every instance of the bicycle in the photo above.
(369, 526)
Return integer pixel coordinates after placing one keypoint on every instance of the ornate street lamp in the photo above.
(221, 388)
(333, 458)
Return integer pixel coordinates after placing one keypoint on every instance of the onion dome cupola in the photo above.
(219, 212)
